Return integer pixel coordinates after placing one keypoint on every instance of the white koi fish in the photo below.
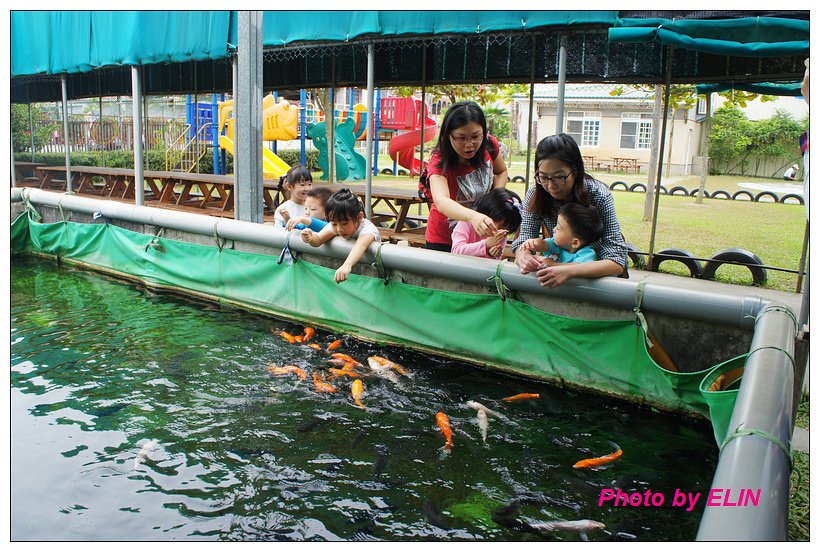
(382, 371)
(577, 526)
(479, 406)
(143, 453)
(483, 423)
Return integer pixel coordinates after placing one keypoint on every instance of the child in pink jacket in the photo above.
(501, 205)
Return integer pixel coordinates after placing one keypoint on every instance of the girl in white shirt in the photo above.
(297, 183)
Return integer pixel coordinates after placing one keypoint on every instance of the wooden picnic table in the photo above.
(25, 171)
(626, 164)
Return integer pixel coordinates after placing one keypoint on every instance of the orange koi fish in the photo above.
(387, 364)
(346, 358)
(298, 338)
(321, 385)
(600, 461)
(356, 390)
(288, 369)
(285, 335)
(338, 373)
(308, 335)
(315, 346)
(521, 396)
(334, 345)
(443, 423)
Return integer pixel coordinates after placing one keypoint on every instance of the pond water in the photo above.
(137, 416)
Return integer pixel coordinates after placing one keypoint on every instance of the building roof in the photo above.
(587, 91)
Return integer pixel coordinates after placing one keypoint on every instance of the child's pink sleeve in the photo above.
(463, 233)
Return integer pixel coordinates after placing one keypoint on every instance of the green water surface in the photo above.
(100, 367)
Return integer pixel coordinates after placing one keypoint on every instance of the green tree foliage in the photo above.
(21, 129)
(482, 94)
(498, 121)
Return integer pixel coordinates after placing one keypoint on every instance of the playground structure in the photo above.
(406, 114)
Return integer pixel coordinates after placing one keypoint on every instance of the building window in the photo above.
(584, 127)
(701, 106)
(636, 130)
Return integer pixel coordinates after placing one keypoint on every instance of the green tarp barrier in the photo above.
(745, 37)
(607, 356)
(791, 88)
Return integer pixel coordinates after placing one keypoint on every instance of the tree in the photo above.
(498, 121)
(482, 94)
(21, 129)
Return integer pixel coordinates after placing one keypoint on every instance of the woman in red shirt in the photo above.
(465, 165)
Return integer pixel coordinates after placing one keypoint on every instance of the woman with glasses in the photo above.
(465, 165)
(560, 179)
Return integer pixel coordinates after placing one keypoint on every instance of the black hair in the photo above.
(342, 206)
(503, 205)
(584, 221)
(460, 114)
(297, 173)
(321, 192)
(561, 147)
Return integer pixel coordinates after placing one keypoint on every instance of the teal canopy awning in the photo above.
(791, 88)
(745, 37)
(55, 42)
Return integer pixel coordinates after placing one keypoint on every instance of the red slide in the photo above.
(403, 146)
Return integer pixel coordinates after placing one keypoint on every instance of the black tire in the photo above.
(680, 255)
(792, 196)
(772, 195)
(663, 190)
(721, 194)
(387, 171)
(402, 172)
(694, 193)
(678, 189)
(736, 255)
(519, 178)
(638, 186)
(743, 193)
(638, 259)
(614, 185)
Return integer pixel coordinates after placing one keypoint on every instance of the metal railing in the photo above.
(184, 154)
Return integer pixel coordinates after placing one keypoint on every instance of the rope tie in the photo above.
(785, 352)
(640, 319)
(779, 308)
(502, 289)
(219, 243)
(60, 207)
(30, 210)
(760, 433)
(155, 242)
(378, 264)
(287, 255)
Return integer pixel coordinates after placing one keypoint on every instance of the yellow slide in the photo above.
(273, 166)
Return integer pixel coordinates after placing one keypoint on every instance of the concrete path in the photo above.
(800, 439)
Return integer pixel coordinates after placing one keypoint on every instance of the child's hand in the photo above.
(499, 238)
(342, 273)
(285, 215)
(291, 224)
(484, 225)
(495, 251)
(532, 244)
(306, 234)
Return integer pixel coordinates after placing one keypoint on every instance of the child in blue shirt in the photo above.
(314, 217)
(578, 227)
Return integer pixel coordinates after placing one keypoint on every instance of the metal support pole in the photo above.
(802, 266)
(13, 172)
(562, 85)
(423, 110)
(66, 138)
(302, 125)
(330, 126)
(660, 154)
(371, 108)
(100, 121)
(136, 105)
(31, 129)
(196, 119)
(529, 116)
(377, 125)
(248, 113)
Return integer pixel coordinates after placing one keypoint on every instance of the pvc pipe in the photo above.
(371, 71)
(66, 138)
(764, 403)
(136, 94)
(721, 309)
(562, 85)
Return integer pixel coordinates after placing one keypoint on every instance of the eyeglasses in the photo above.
(463, 140)
(557, 180)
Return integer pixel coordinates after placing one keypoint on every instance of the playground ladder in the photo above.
(184, 155)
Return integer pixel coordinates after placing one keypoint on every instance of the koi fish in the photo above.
(308, 335)
(483, 423)
(285, 335)
(289, 369)
(334, 345)
(346, 358)
(298, 338)
(321, 385)
(382, 371)
(600, 461)
(339, 373)
(577, 526)
(143, 453)
(315, 346)
(443, 423)
(356, 390)
(521, 396)
(479, 406)
(388, 364)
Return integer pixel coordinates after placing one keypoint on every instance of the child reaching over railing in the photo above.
(578, 226)
(296, 182)
(504, 208)
(314, 217)
(345, 214)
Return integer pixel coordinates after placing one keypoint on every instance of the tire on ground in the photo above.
(682, 256)
(743, 193)
(721, 194)
(518, 178)
(678, 189)
(799, 198)
(638, 258)
(736, 255)
(638, 186)
(615, 185)
(772, 195)
(694, 193)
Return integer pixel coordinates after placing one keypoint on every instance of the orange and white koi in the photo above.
(288, 369)
(575, 526)
(521, 396)
(308, 335)
(599, 461)
(346, 358)
(285, 335)
(334, 345)
(388, 364)
(315, 346)
(443, 422)
(356, 390)
(381, 370)
(483, 424)
(321, 385)
(478, 406)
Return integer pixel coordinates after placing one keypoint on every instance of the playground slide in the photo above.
(402, 147)
(273, 166)
(350, 164)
